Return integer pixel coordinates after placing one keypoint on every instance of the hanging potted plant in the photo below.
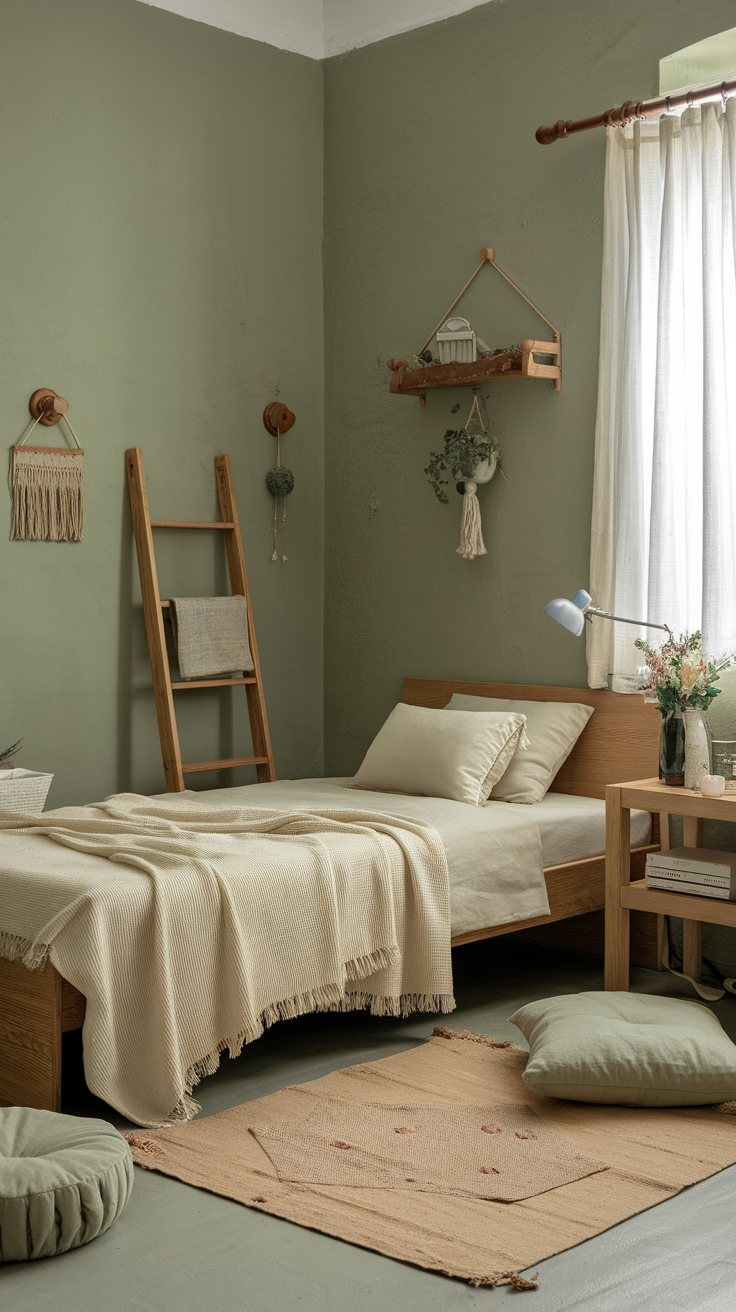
(470, 457)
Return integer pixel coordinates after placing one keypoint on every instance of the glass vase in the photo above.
(672, 749)
(697, 746)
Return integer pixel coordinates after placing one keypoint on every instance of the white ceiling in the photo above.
(318, 28)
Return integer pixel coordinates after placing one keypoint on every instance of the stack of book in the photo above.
(693, 870)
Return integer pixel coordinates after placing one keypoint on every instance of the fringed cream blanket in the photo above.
(206, 924)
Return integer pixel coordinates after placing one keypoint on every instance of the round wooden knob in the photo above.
(47, 407)
(488, 253)
(278, 418)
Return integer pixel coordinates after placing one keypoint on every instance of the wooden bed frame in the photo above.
(619, 743)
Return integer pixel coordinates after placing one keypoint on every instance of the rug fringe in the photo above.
(442, 1033)
(512, 1278)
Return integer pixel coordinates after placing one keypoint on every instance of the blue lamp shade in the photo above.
(569, 613)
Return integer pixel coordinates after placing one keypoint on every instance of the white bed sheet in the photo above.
(574, 828)
(484, 850)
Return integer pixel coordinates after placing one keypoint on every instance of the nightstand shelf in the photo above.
(622, 896)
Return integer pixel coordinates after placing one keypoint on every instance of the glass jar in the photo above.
(697, 746)
(672, 749)
(724, 761)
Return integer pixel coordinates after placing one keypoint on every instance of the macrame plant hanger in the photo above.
(471, 534)
(47, 482)
(278, 419)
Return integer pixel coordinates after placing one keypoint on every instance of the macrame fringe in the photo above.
(13, 947)
(471, 537)
(48, 496)
(329, 997)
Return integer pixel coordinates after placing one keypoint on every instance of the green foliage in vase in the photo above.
(678, 675)
(463, 452)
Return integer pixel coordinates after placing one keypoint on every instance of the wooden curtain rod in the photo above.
(632, 109)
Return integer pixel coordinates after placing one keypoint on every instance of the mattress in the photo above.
(482, 848)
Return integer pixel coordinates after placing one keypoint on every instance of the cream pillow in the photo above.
(434, 754)
(553, 729)
(627, 1048)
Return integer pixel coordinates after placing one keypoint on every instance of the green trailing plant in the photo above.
(463, 452)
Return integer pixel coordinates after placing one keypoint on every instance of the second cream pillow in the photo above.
(553, 729)
(433, 754)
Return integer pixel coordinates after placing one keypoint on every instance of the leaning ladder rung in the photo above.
(201, 766)
(188, 523)
(211, 683)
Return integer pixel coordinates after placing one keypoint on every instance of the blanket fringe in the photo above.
(329, 997)
(13, 947)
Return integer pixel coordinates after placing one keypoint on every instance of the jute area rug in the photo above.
(652, 1154)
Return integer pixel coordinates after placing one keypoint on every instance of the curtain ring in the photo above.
(689, 99)
(667, 103)
(724, 97)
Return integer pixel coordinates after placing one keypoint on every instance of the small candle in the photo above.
(712, 785)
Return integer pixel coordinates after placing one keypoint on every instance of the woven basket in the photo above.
(23, 792)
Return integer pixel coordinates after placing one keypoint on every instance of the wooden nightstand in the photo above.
(622, 896)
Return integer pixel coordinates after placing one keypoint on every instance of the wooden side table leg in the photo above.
(618, 874)
(692, 930)
(664, 846)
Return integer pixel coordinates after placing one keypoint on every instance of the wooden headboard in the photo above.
(619, 742)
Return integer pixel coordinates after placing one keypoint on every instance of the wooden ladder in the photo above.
(153, 608)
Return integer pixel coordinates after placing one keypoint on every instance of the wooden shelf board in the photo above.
(495, 368)
(653, 795)
(715, 911)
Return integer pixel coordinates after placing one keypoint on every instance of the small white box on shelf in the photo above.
(456, 342)
(23, 792)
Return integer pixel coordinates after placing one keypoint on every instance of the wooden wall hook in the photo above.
(277, 418)
(47, 407)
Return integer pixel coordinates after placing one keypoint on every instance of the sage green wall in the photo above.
(160, 244)
(430, 155)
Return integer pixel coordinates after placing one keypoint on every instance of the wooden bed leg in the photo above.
(30, 1036)
(618, 874)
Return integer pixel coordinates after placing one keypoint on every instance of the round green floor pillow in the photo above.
(63, 1181)
(631, 1048)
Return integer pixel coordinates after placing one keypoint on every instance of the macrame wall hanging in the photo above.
(278, 419)
(48, 493)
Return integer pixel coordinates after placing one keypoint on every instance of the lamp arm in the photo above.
(590, 611)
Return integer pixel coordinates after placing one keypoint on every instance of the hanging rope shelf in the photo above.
(531, 359)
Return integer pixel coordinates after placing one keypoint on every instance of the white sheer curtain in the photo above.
(663, 543)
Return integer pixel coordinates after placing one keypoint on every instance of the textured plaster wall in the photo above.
(160, 246)
(430, 155)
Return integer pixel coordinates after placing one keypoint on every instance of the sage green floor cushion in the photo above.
(627, 1048)
(63, 1181)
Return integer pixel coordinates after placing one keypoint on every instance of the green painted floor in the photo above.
(176, 1248)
